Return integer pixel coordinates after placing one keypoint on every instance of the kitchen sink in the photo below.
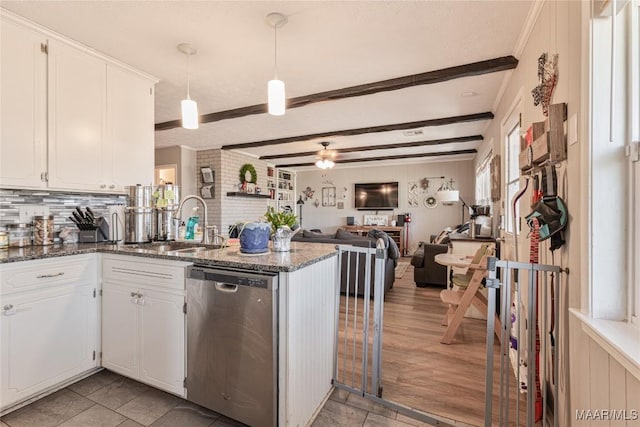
(169, 248)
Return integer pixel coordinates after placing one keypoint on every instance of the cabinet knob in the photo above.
(112, 186)
(103, 185)
(8, 310)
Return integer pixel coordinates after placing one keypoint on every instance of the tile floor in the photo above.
(108, 400)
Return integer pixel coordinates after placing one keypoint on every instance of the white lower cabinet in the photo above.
(143, 326)
(49, 330)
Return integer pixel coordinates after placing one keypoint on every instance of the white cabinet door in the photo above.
(162, 340)
(77, 116)
(23, 120)
(120, 329)
(130, 127)
(47, 337)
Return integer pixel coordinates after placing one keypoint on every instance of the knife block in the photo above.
(99, 234)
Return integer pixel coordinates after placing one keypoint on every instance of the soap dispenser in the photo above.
(192, 224)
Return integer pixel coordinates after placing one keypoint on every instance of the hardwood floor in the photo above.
(417, 370)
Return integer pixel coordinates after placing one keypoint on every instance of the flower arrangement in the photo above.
(279, 219)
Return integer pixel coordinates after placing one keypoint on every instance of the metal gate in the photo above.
(530, 290)
(359, 324)
(357, 359)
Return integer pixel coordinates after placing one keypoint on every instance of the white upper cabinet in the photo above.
(99, 135)
(23, 118)
(77, 119)
(130, 119)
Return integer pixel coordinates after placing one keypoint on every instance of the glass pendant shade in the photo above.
(276, 97)
(189, 114)
(325, 164)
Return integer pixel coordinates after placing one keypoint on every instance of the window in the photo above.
(634, 72)
(511, 130)
(483, 182)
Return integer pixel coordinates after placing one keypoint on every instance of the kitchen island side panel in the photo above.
(307, 340)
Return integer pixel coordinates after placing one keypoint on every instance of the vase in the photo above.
(254, 237)
(282, 239)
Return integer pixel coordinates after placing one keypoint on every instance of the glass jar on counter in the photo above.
(19, 235)
(43, 230)
(4, 240)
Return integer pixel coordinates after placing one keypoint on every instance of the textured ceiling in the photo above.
(325, 45)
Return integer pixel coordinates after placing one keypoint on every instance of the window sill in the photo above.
(620, 339)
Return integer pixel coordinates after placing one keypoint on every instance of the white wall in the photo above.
(589, 378)
(425, 221)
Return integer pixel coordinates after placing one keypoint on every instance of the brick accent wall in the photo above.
(224, 210)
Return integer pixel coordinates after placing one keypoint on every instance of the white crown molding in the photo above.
(64, 39)
(527, 28)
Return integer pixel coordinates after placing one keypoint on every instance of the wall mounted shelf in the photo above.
(247, 195)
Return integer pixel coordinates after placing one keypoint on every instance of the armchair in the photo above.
(426, 271)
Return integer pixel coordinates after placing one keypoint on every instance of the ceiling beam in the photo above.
(430, 77)
(372, 159)
(380, 147)
(359, 131)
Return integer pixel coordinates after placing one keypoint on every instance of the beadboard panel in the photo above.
(600, 383)
(60, 204)
(307, 311)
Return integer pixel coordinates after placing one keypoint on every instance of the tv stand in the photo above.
(396, 233)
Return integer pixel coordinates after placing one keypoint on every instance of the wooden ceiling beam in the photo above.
(372, 159)
(379, 147)
(372, 129)
(430, 77)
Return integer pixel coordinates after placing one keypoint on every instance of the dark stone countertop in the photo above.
(301, 255)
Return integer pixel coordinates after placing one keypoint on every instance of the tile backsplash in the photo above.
(60, 204)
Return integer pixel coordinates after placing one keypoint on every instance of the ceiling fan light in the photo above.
(325, 163)
(189, 114)
(276, 97)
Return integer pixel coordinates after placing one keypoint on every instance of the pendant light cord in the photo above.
(275, 52)
(188, 79)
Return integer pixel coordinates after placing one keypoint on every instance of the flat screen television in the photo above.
(376, 196)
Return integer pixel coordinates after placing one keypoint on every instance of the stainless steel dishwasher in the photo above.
(232, 336)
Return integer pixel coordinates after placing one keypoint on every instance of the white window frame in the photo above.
(483, 181)
(634, 181)
(511, 122)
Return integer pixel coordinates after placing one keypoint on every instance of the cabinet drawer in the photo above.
(37, 274)
(140, 271)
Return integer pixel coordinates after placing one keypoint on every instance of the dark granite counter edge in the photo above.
(191, 259)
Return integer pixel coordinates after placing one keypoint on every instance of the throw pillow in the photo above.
(307, 234)
(443, 237)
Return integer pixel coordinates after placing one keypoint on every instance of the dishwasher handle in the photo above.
(225, 287)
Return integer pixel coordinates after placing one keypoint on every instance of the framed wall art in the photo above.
(328, 196)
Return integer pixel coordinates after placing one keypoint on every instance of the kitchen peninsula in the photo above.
(141, 290)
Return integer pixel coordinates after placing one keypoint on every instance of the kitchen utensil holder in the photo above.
(100, 232)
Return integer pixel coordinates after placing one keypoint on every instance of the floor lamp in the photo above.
(300, 202)
(446, 194)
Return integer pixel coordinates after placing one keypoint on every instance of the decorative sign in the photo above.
(376, 220)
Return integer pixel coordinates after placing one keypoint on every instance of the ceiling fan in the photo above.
(325, 157)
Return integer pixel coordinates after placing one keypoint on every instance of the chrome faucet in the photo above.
(205, 235)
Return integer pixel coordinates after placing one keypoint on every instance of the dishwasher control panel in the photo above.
(234, 277)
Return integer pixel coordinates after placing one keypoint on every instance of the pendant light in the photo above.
(325, 161)
(189, 107)
(275, 87)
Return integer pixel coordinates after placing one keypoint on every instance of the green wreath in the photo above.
(248, 167)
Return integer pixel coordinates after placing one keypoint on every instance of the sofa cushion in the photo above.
(345, 235)
(307, 234)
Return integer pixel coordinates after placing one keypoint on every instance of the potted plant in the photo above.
(281, 224)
